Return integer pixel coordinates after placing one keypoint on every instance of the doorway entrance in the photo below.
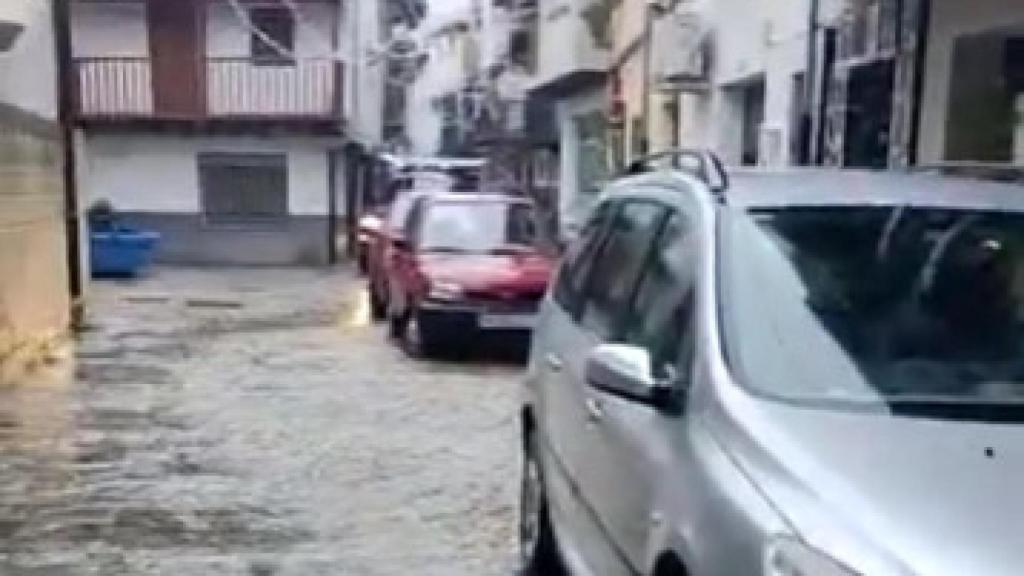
(869, 115)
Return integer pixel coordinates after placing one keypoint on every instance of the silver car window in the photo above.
(579, 259)
(617, 269)
(660, 318)
(901, 307)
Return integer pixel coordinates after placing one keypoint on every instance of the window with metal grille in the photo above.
(244, 189)
(276, 37)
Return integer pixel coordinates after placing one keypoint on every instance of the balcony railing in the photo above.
(240, 88)
(115, 87)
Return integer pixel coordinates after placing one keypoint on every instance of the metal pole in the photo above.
(67, 97)
(814, 87)
(646, 104)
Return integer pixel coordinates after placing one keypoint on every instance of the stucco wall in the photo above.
(768, 44)
(160, 174)
(34, 300)
(109, 29)
(360, 31)
(444, 72)
(565, 42)
(951, 19)
(574, 204)
(28, 74)
(154, 181)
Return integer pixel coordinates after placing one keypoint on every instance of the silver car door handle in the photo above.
(595, 409)
(554, 363)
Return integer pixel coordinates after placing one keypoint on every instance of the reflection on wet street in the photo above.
(250, 422)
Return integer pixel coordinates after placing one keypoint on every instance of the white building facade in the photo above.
(574, 45)
(750, 108)
(441, 100)
(217, 123)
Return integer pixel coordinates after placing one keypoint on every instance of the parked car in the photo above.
(381, 246)
(467, 263)
(815, 374)
(396, 177)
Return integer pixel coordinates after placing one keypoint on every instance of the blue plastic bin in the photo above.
(121, 252)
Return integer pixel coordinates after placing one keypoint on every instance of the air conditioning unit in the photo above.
(13, 19)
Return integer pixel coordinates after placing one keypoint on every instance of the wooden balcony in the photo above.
(241, 90)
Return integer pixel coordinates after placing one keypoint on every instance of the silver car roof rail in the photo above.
(700, 163)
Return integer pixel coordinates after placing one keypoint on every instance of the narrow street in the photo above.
(253, 422)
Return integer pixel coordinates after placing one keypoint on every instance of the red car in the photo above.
(380, 246)
(466, 263)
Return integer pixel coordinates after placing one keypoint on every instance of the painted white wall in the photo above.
(573, 206)
(160, 174)
(769, 42)
(109, 29)
(565, 44)
(360, 30)
(951, 19)
(444, 72)
(28, 73)
(496, 25)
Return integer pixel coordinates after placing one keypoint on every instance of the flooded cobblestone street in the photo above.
(251, 422)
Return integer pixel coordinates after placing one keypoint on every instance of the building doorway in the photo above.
(869, 115)
(753, 118)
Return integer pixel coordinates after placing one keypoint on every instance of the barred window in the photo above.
(243, 188)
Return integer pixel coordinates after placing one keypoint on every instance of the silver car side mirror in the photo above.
(626, 371)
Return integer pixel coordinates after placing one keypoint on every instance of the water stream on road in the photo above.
(262, 430)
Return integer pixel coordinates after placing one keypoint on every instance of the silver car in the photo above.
(812, 374)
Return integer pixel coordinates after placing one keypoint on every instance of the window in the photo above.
(483, 227)
(592, 154)
(660, 318)
(617, 269)
(278, 26)
(898, 308)
(579, 258)
(243, 188)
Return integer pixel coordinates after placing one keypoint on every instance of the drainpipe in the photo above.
(814, 87)
(66, 86)
(645, 110)
(332, 206)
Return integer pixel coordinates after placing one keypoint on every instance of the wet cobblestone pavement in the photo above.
(250, 422)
